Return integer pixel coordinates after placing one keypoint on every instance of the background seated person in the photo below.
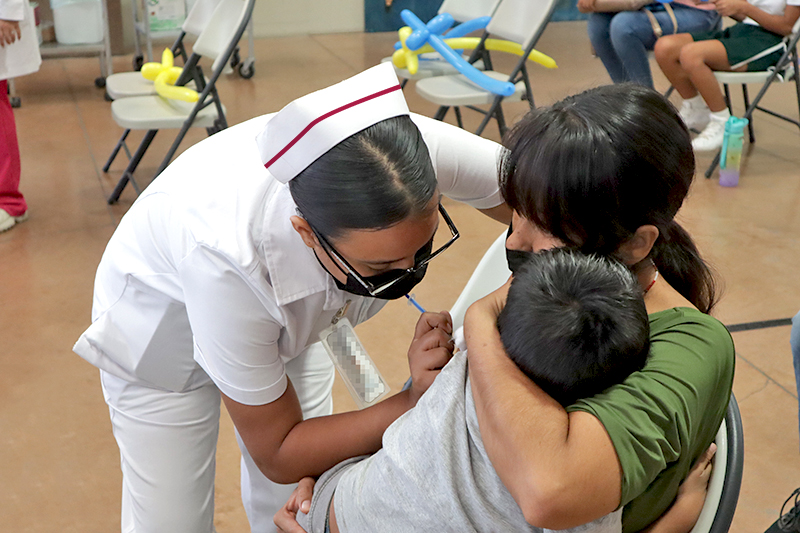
(575, 324)
(690, 59)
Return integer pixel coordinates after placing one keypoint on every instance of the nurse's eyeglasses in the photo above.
(402, 273)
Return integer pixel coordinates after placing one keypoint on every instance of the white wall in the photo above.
(291, 17)
(286, 17)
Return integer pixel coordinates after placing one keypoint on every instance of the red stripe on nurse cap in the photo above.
(310, 126)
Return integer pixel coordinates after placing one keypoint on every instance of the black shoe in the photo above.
(789, 522)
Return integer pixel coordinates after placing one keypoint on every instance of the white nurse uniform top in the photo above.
(205, 269)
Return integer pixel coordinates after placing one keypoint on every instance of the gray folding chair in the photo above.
(152, 112)
(433, 64)
(520, 21)
(784, 70)
(726, 476)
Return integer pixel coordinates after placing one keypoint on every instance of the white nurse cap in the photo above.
(310, 126)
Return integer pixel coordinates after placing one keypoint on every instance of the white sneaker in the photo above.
(695, 118)
(7, 221)
(710, 138)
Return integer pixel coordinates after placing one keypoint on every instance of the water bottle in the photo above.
(731, 156)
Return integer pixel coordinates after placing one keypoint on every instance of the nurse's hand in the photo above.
(9, 32)
(299, 501)
(430, 350)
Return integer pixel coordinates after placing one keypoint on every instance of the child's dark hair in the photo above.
(575, 324)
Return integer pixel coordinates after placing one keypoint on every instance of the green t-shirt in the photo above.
(662, 418)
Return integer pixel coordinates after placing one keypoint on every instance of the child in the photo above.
(690, 59)
(575, 324)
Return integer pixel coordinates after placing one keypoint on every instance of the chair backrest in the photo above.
(216, 38)
(521, 21)
(490, 274)
(464, 10)
(199, 16)
(726, 476)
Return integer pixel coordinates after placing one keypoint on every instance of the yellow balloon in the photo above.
(164, 75)
(409, 59)
(400, 58)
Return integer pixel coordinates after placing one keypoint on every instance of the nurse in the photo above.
(220, 278)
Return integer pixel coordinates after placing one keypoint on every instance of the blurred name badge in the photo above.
(354, 364)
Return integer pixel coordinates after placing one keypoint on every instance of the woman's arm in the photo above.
(287, 448)
(685, 510)
(237, 338)
(560, 468)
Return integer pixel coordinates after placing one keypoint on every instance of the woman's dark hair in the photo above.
(575, 324)
(596, 166)
(371, 180)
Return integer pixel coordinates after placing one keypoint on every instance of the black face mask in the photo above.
(398, 290)
(515, 258)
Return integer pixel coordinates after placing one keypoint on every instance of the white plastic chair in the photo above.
(726, 475)
(520, 21)
(433, 64)
(784, 70)
(218, 40)
(490, 274)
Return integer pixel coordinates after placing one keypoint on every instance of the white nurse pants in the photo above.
(168, 441)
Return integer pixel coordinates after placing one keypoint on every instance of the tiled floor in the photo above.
(58, 460)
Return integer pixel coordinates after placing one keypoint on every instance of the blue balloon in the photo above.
(462, 29)
(431, 33)
(468, 27)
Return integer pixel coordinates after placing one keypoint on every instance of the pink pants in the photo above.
(11, 199)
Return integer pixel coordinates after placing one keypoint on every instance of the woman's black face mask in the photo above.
(515, 258)
(406, 280)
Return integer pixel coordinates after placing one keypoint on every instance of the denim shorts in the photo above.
(743, 41)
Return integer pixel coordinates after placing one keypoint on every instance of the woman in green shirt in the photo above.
(605, 171)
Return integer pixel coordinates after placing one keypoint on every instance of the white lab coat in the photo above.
(205, 280)
(23, 56)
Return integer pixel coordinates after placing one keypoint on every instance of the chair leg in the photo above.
(458, 117)
(403, 83)
(441, 112)
(489, 114)
(132, 164)
(713, 165)
(746, 98)
(797, 90)
(501, 121)
(115, 151)
(174, 148)
(728, 97)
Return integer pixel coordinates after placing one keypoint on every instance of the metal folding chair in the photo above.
(520, 21)
(433, 64)
(784, 70)
(153, 113)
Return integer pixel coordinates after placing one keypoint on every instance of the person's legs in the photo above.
(794, 341)
(668, 52)
(598, 29)
(632, 36)
(312, 375)
(167, 443)
(699, 60)
(12, 203)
